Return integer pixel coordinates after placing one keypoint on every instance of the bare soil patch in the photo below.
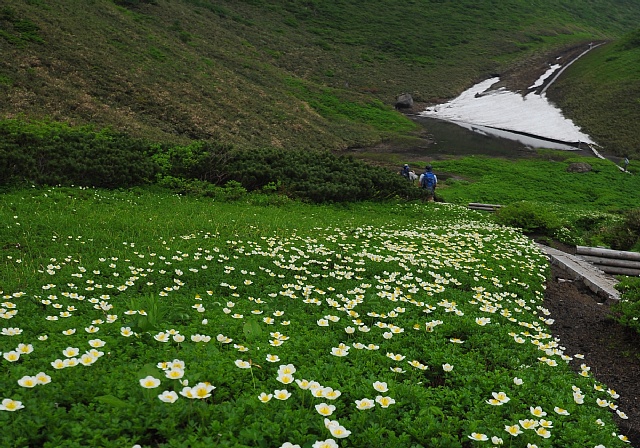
(585, 325)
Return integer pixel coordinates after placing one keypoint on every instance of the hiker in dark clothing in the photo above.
(405, 171)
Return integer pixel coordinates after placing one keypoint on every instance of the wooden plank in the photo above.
(611, 262)
(479, 204)
(607, 253)
(614, 270)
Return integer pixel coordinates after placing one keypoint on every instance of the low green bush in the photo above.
(625, 234)
(627, 310)
(531, 217)
(317, 176)
(49, 153)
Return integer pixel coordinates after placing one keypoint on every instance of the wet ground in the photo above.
(439, 139)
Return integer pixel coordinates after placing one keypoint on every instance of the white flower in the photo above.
(149, 382)
(288, 369)
(285, 378)
(364, 404)
(325, 409)
(28, 381)
(621, 414)
(282, 394)
(12, 405)
(385, 402)
(380, 386)
(560, 411)
(168, 396)
(174, 373)
(329, 443)
(339, 432)
(243, 364)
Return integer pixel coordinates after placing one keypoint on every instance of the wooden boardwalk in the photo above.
(577, 269)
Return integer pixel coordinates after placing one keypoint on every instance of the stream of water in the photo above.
(456, 139)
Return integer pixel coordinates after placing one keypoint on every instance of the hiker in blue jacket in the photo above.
(428, 182)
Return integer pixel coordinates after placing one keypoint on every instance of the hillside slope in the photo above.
(602, 93)
(291, 74)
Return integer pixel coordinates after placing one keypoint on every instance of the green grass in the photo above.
(457, 296)
(500, 181)
(575, 208)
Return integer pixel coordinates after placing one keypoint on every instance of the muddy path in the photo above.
(585, 326)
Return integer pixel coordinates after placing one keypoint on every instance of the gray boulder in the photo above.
(404, 101)
(580, 167)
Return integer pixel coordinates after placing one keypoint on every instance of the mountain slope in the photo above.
(292, 74)
(602, 93)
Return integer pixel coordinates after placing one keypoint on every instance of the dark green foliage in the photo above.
(627, 310)
(624, 235)
(528, 216)
(134, 3)
(44, 153)
(202, 161)
(318, 176)
(18, 31)
(312, 176)
(630, 41)
(48, 153)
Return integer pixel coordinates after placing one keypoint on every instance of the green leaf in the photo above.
(252, 330)
(148, 370)
(112, 401)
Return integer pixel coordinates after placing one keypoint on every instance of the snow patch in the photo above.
(546, 74)
(499, 108)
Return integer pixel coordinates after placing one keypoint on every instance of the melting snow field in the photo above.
(502, 109)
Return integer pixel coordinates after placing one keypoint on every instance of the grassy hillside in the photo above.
(289, 74)
(602, 93)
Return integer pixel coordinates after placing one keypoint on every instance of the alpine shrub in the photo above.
(624, 235)
(530, 217)
(49, 153)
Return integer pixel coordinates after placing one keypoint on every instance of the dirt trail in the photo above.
(584, 325)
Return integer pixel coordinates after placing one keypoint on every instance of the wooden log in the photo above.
(611, 262)
(481, 207)
(614, 270)
(607, 253)
(479, 204)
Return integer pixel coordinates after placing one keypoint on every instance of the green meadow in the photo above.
(194, 251)
(145, 318)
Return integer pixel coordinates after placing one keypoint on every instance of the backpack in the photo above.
(428, 181)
